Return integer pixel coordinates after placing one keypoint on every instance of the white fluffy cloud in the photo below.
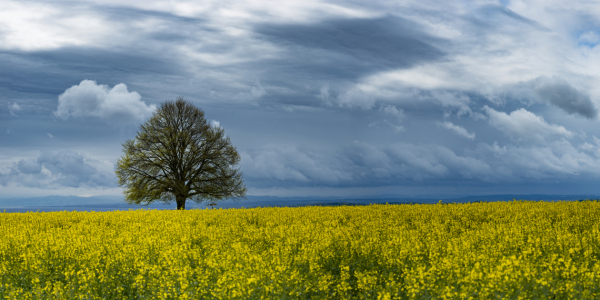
(360, 96)
(522, 124)
(391, 110)
(396, 115)
(98, 100)
(457, 129)
(13, 108)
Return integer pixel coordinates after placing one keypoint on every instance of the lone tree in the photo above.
(177, 155)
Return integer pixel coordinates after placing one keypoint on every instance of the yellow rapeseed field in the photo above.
(502, 250)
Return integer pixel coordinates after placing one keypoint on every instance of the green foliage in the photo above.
(177, 155)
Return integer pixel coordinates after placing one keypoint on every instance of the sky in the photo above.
(321, 98)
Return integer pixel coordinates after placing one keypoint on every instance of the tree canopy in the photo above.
(177, 155)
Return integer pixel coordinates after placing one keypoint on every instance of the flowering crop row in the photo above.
(501, 250)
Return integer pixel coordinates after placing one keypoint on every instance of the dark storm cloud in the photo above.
(347, 49)
(52, 71)
(30, 166)
(90, 60)
(560, 93)
(57, 170)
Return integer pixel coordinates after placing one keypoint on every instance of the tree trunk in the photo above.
(180, 202)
